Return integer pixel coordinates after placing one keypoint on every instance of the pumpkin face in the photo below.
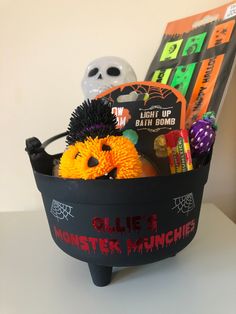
(111, 157)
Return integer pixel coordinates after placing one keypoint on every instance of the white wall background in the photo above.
(44, 48)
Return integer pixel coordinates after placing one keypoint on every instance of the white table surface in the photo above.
(36, 277)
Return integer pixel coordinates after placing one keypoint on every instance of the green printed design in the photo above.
(171, 50)
(182, 77)
(161, 76)
(194, 44)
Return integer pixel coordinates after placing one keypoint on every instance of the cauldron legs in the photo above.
(101, 275)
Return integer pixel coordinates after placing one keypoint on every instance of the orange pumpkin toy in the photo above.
(97, 150)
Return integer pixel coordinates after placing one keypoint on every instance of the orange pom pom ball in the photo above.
(111, 157)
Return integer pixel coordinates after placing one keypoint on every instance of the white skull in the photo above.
(104, 73)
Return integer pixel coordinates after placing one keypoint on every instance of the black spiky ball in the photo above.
(93, 118)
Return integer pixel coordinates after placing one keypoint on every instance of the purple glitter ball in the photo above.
(202, 136)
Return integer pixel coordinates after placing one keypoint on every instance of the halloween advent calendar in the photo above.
(196, 57)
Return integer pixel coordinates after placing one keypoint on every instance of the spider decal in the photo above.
(148, 91)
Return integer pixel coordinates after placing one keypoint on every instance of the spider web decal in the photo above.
(60, 211)
(150, 93)
(184, 204)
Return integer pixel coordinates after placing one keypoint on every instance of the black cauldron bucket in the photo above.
(110, 223)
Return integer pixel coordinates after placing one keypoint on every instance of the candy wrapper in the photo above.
(178, 150)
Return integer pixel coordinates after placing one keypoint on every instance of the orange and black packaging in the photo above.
(196, 56)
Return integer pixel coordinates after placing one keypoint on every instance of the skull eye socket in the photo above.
(106, 148)
(92, 162)
(113, 71)
(93, 72)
